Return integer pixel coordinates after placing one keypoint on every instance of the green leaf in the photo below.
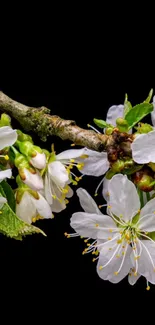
(12, 226)
(9, 193)
(147, 100)
(127, 106)
(137, 113)
(101, 123)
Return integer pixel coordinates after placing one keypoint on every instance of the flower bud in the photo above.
(144, 180)
(5, 120)
(122, 124)
(118, 166)
(109, 130)
(24, 137)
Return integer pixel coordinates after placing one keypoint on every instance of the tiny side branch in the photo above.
(41, 122)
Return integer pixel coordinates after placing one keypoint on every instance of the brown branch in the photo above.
(39, 121)
(43, 124)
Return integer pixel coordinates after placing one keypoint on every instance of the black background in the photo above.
(77, 78)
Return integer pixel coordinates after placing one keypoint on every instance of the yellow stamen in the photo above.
(100, 267)
(74, 183)
(52, 216)
(110, 248)
(96, 252)
(116, 273)
(1, 212)
(148, 288)
(81, 237)
(109, 206)
(123, 246)
(94, 259)
(95, 194)
(109, 238)
(118, 256)
(86, 240)
(66, 201)
(88, 245)
(72, 144)
(110, 230)
(54, 196)
(80, 166)
(6, 157)
(93, 253)
(88, 125)
(135, 273)
(97, 225)
(65, 233)
(123, 253)
(119, 241)
(72, 160)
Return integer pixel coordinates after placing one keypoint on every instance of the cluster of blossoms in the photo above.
(123, 239)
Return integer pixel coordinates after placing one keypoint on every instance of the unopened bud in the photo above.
(24, 137)
(122, 124)
(5, 120)
(109, 131)
(118, 166)
(143, 181)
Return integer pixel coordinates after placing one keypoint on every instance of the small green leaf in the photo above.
(137, 113)
(9, 193)
(101, 123)
(12, 226)
(127, 106)
(147, 100)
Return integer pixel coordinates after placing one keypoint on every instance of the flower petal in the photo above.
(8, 136)
(47, 189)
(147, 217)
(124, 199)
(34, 181)
(146, 262)
(70, 154)
(86, 201)
(58, 173)
(143, 148)
(42, 207)
(105, 190)
(70, 192)
(132, 278)
(153, 112)
(26, 209)
(114, 112)
(39, 161)
(109, 262)
(2, 201)
(58, 203)
(5, 174)
(88, 225)
(96, 164)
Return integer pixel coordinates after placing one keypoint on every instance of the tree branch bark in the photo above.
(41, 122)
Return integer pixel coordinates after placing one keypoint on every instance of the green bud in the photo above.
(118, 166)
(122, 124)
(24, 137)
(128, 163)
(5, 120)
(20, 161)
(145, 183)
(144, 128)
(109, 131)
